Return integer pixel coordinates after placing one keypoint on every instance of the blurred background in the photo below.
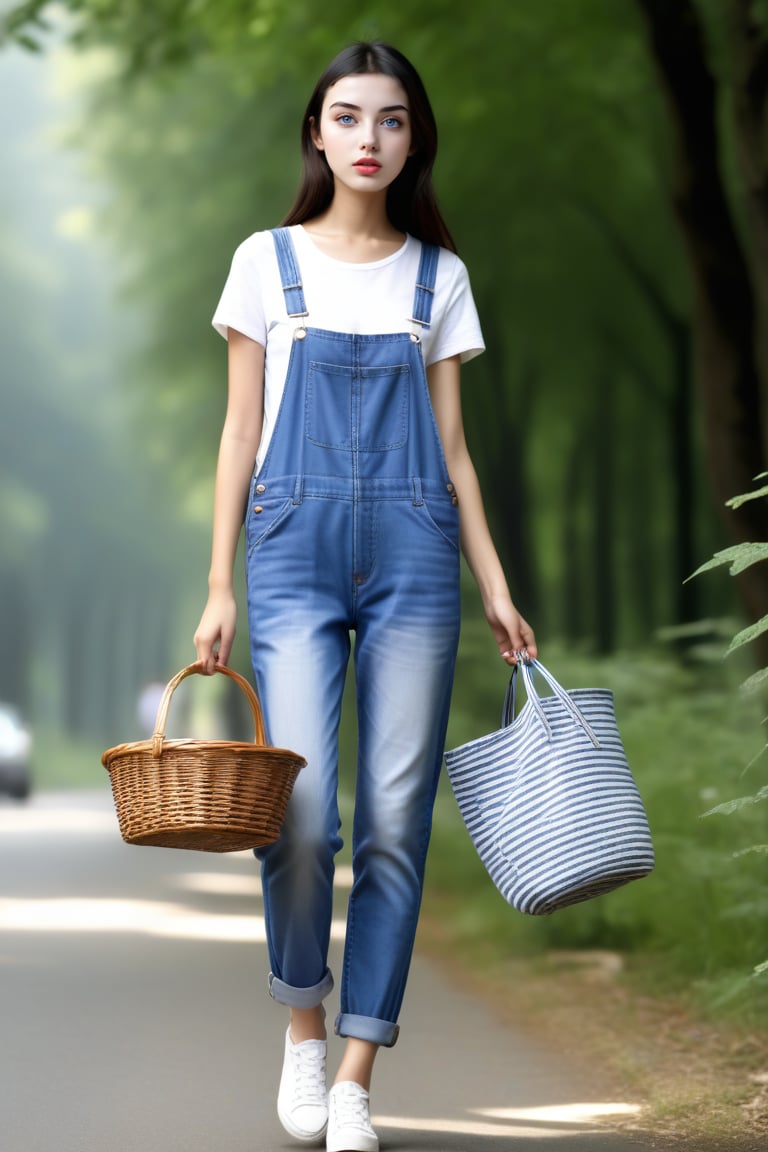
(602, 166)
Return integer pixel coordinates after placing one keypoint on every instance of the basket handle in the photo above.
(158, 736)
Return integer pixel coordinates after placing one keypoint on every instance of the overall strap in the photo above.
(425, 285)
(289, 273)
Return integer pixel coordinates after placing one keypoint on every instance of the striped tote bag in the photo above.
(549, 799)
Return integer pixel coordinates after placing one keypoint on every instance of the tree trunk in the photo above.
(603, 572)
(682, 466)
(575, 572)
(676, 408)
(748, 47)
(725, 367)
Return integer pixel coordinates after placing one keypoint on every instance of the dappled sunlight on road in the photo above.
(91, 814)
(218, 883)
(70, 881)
(148, 917)
(239, 884)
(561, 1113)
(15, 820)
(545, 1123)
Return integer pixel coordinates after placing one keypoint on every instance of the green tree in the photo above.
(581, 416)
(87, 596)
(719, 227)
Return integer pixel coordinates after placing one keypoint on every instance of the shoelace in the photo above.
(309, 1073)
(352, 1110)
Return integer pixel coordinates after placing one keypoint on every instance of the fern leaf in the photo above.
(737, 501)
(741, 802)
(748, 634)
(754, 759)
(755, 681)
(739, 556)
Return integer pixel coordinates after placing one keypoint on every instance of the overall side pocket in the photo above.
(262, 518)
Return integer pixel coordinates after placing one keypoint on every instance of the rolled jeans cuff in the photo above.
(300, 997)
(382, 1032)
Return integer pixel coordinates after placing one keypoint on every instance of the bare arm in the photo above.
(237, 453)
(511, 632)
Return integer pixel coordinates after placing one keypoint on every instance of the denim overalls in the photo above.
(352, 525)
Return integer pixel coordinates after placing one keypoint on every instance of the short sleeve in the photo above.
(241, 305)
(456, 329)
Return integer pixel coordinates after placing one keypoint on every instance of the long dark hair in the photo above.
(411, 201)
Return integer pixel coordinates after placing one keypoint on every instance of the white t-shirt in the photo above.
(366, 299)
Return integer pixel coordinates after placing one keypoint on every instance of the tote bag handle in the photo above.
(528, 667)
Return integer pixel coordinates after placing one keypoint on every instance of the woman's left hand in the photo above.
(511, 632)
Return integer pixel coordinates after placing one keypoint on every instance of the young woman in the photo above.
(344, 447)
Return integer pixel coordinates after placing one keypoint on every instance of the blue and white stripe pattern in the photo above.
(550, 802)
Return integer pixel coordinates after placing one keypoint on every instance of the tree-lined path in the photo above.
(135, 1016)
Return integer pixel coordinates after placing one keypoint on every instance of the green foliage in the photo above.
(742, 802)
(758, 494)
(756, 682)
(91, 555)
(744, 555)
(23, 25)
(738, 556)
(747, 634)
(548, 158)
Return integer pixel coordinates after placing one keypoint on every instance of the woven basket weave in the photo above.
(208, 795)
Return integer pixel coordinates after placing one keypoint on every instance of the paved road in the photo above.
(134, 1015)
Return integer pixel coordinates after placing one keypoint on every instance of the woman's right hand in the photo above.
(215, 633)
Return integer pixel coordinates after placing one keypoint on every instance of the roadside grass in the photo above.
(701, 1085)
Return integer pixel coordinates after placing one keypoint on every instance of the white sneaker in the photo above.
(302, 1101)
(349, 1120)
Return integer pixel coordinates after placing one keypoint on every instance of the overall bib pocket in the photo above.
(374, 400)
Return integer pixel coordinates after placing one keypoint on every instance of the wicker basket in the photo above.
(209, 795)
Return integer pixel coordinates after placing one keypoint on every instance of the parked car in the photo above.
(15, 749)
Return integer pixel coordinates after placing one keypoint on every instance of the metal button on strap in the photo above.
(258, 508)
(261, 488)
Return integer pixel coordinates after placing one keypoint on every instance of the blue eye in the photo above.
(391, 122)
(345, 118)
